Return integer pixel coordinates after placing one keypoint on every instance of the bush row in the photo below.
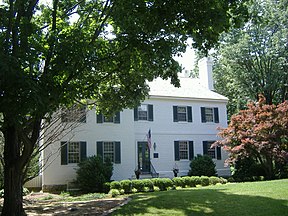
(161, 184)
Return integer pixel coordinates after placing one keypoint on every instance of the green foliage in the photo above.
(127, 186)
(51, 59)
(202, 165)
(114, 192)
(247, 168)
(115, 185)
(162, 183)
(93, 173)
(138, 184)
(179, 181)
(253, 59)
(204, 180)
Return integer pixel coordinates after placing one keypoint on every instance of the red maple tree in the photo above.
(261, 133)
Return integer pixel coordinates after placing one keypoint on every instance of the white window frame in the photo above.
(184, 149)
(72, 155)
(209, 114)
(109, 152)
(143, 108)
(182, 114)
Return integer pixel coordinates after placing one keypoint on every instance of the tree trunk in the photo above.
(13, 177)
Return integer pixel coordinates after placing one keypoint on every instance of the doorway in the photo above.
(144, 156)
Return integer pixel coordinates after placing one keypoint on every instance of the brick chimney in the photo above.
(205, 72)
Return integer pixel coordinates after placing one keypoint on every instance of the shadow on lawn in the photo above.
(203, 202)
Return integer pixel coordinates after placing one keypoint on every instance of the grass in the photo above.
(269, 198)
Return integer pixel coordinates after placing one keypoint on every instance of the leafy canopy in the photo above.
(253, 59)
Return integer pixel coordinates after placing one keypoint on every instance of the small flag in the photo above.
(149, 139)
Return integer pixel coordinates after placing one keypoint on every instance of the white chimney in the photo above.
(205, 72)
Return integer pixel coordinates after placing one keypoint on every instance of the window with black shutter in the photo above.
(73, 152)
(109, 150)
(209, 114)
(213, 152)
(182, 113)
(144, 112)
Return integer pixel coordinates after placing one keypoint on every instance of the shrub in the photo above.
(115, 185)
(204, 180)
(148, 184)
(93, 173)
(126, 185)
(246, 169)
(202, 165)
(179, 182)
(213, 180)
(114, 192)
(162, 183)
(138, 184)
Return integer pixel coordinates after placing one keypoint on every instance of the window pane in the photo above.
(211, 151)
(209, 114)
(108, 151)
(182, 113)
(73, 152)
(183, 150)
(143, 112)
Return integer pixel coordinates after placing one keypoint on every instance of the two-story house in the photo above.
(166, 131)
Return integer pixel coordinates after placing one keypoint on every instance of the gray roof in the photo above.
(190, 88)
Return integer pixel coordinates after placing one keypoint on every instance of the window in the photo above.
(72, 152)
(214, 153)
(75, 113)
(109, 149)
(112, 119)
(182, 113)
(209, 114)
(144, 112)
(183, 150)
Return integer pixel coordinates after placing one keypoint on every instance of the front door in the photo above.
(144, 157)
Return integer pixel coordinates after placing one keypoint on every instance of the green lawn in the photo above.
(269, 198)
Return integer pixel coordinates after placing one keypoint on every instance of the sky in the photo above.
(188, 58)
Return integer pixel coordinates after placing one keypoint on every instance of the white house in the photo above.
(182, 123)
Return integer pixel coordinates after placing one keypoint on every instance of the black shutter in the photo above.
(136, 114)
(99, 118)
(203, 114)
(216, 115)
(150, 112)
(191, 150)
(117, 153)
(100, 149)
(218, 149)
(189, 110)
(117, 118)
(83, 151)
(176, 150)
(64, 149)
(205, 147)
(175, 114)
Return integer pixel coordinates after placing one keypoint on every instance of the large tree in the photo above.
(54, 55)
(260, 134)
(254, 59)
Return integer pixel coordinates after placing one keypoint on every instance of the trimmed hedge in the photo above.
(162, 184)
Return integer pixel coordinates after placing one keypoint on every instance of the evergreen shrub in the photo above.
(202, 165)
(93, 173)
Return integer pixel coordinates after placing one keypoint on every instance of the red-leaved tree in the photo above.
(260, 133)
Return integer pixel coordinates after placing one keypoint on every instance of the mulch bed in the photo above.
(34, 205)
